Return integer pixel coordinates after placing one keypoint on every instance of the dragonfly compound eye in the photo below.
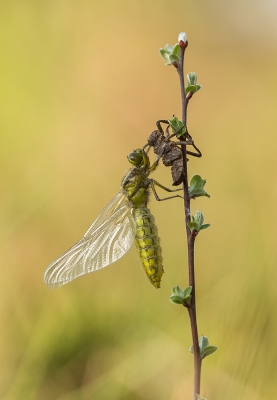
(135, 158)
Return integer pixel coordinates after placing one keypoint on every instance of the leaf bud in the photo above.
(182, 39)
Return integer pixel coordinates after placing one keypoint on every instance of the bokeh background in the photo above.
(82, 84)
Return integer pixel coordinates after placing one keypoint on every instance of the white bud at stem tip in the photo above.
(182, 36)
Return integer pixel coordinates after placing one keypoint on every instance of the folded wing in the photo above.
(109, 237)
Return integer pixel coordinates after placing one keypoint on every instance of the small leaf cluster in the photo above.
(204, 346)
(180, 296)
(197, 223)
(171, 54)
(196, 188)
(192, 85)
(177, 126)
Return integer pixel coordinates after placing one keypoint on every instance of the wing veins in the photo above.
(109, 237)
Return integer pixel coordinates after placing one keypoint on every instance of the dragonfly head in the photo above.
(138, 158)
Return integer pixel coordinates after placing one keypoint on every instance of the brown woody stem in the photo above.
(190, 238)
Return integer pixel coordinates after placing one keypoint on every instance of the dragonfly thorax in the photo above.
(135, 184)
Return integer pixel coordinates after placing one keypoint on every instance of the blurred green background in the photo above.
(82, 84)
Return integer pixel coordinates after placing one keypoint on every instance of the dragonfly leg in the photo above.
(159, 126)
(153, 183)
(156, 163)
(146, 151)
(191, 153)
(167, 135)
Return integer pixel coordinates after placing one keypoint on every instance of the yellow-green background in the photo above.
(82, 84)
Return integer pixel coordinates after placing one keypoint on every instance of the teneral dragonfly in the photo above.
(124, 219)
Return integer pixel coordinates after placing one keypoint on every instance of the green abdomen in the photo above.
(148, 244)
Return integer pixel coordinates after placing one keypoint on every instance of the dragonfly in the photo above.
(125, 219)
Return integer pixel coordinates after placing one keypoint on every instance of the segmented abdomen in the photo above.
(148, 244)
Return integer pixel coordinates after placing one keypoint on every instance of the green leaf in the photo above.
(203, 343)
(176, 299)
(173, 57)
(192, 88)
(183, 131)
(177, 291)
(199, 218)
(192, 78)
(168, 48)
(196, 188)
(210, 350)
(197, 181)
(198, 192)
(191, 349)
(187, 296)
(205, 226)
(193, 225)
(177, 125)
(164, 54)
(176, 49)
(187, 291)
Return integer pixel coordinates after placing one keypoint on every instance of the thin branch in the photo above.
(190, 237)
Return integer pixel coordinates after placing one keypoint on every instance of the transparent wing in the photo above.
(108, 239)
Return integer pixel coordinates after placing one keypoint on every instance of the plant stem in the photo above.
(190, 237)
